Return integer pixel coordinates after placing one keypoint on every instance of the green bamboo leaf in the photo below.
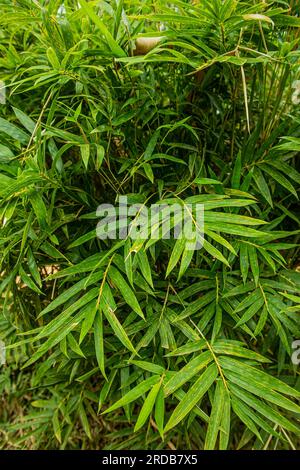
(233, 229)
(144, 266)
(261, 391)
(188, 348)
(83, 239)
(176, 254)
(56, 425)
(216, 217)
(236, 174)
(251, 373)
(84, 420)
(287, 169)
(160, 411)
(147, 407)
(215, 252)
(13, 131)
(248, 300)
(28, 281)
(5, 154)
(225, 422)
(279, 178)
(186, 259)
(250, 312)
(239, 290)
(193, 396)
(118, 329)
(127, 293)
(148, 171)
(187, 372)
(206, 181)
(151, 145)
(264, 409)
(253, 263)
(59, 321)
(245, 416)
(25, 120)
(54, 339)
(114, 46)
(99, 341)
(215, 416)
(85, 154)
(255, 417)
(33, 268)
(196, 306)
(134, 393)
(229, 347)
(149, 366)
(219, 239)
(74, 345)
(72, 291)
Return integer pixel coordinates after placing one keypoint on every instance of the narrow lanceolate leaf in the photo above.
(127, 293)
(13, 131)
(88, 321)
(187, 372)
(237, 170)
(144, 266)
(245, 414)
(224, 435)
(114, 46)
(85, 154)
(84, 420)
(265, 410)
(117, 327)
(25, 120)
(193, 396)
(72, 291)
(261, 391)
(176, 254)
(250, 312)
(219, 239)
(229, 348)
(66, 314)
(134, 393)
(239, 230)
(99, 342)
(216, 217)
(188, 348)
(74, 345)
(197, 305)
(147, 407)
(249, 372)
(56, 425)
(186, 259)
(262, 185)
(215, 416)
(160, 411)
(214, 252)
(149, 366)
(282, 180)
(253, 263)
(28, 281)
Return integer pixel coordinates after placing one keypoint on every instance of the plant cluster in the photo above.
(147, 344)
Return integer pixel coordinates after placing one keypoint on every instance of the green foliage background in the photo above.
(129, 344)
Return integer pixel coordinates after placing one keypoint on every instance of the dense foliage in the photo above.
(134, 343)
